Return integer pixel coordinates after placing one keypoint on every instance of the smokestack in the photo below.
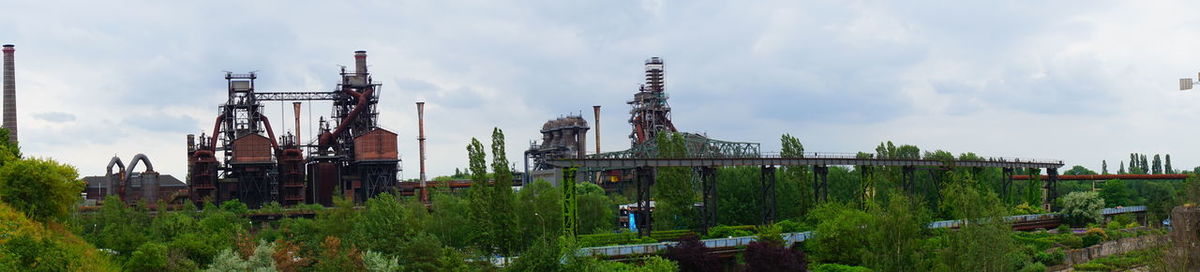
(10, 94)
(296, 108)
(596, 111)
(360, 62)
(421, 139)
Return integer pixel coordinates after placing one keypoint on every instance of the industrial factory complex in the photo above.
(243, 158)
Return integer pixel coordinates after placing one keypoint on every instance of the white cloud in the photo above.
(1081, 81)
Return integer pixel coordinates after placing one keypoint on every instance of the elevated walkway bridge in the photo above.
(643, 162)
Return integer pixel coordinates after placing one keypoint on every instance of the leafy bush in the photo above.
(1092, 267)
(1051, 258)
(771, 256)
(830, 267)
(792, 226)
(693, 255)
(729, 231)
(1064, 228)
(607, 239)
(1081, 208)
(1034, 267)
(1071, 240)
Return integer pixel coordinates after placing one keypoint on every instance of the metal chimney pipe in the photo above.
(296, 108)
(596, 112)
(10, 94)
(421, 139)
(360, 62)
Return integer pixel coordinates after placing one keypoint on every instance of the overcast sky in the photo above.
(1081, 81)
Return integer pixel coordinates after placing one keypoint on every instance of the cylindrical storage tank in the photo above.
(325, 177)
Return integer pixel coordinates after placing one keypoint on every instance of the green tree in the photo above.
(838, 237)
(1117, 193)
(1145, 165)
(1080, 208)
(451, 221)
(983, 243)
(674, 195)
(479, 198)
(1168, 169)
(895, 235)
(597, 212)
(503, 204)
(539, 210)
(739, 201)
(1157, 167)
(1079, 170)
(1122, 170)
(149, 257)
(1104, 167)
(44, 189)
(794, 187)
(386, 224)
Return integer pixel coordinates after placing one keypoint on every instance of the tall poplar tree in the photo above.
(795, 192)
(1167, 165)
(672, 189)
(479, 196)
(1157, 167)
(1145, 167)
(1104, 167)
(503, 214)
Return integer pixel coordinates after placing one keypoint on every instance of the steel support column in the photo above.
(1006, 184)
(569, 206)
(767, 184)
(821, 183)
(645, 179)
(1051, 189)
(708, 179)
(909, 179)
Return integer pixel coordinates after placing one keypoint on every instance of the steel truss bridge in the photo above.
(705, 165)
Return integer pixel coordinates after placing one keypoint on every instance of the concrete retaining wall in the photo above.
(1083, 255)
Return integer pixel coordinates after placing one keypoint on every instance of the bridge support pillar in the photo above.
(708, 180)
(644, 179)
(868, 183)
(569, 202)
(767, 181)
(1051, 190)
(1006, 184)
(909, 178)
(820, 183)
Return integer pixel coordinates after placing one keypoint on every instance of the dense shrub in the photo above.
(1081, 208)
(829, 267)
(693, 255)
(1092, 267)
(1051, 258)
(770, 256)
(723, 231)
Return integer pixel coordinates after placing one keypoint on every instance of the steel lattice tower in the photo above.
(650, 112)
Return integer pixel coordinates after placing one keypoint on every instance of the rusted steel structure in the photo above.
(351, 156)
(128, 184)
(564, 137)
(1108, 177)
(650, 113)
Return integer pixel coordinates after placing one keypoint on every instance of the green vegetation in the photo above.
(871, 222)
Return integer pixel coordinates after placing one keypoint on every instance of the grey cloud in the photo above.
(55, 117)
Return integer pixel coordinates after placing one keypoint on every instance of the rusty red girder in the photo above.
(1108, 177)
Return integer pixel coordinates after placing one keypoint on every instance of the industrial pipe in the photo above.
(296, 107)
(142, 158)
(421, 140)
(596, 111)
(270, 132)
(326, 139)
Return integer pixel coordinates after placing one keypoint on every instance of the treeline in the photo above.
(486, 227)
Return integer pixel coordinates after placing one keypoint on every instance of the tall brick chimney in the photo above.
(10, 94)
